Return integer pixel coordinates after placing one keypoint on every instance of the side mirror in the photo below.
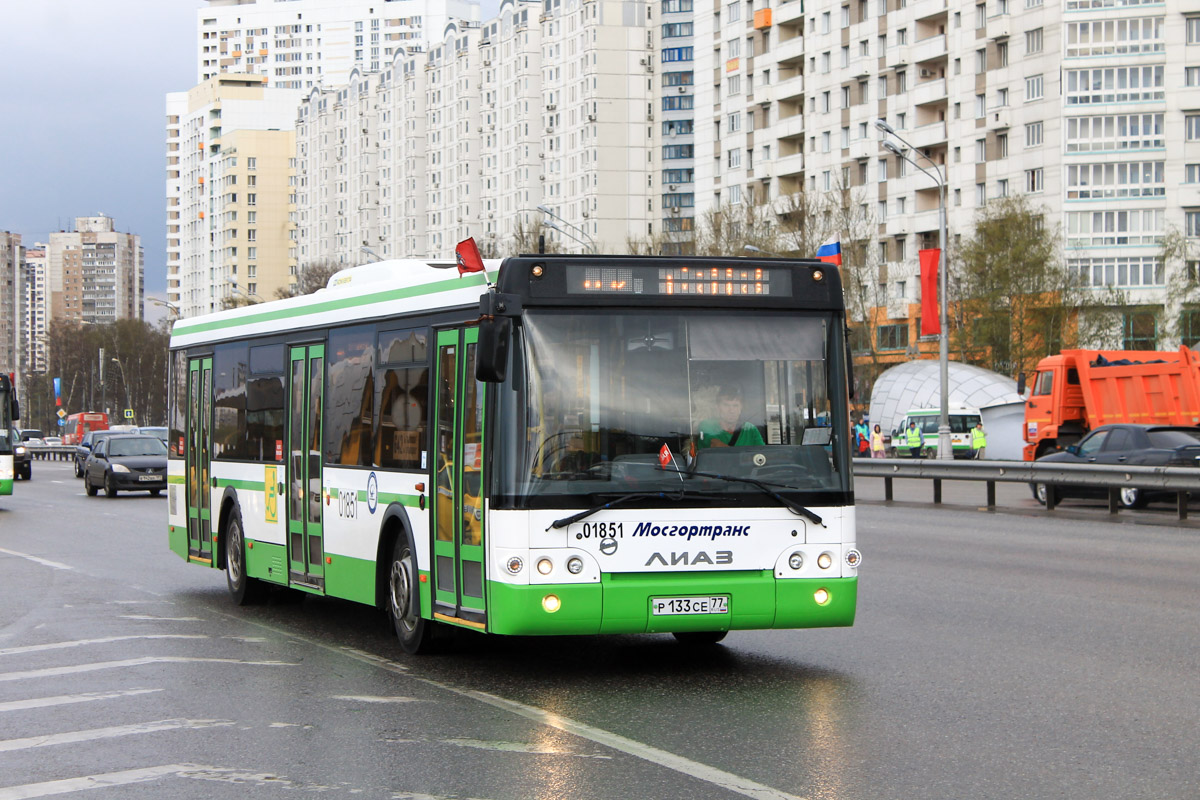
(849, 365)
(491, 361)
(16, 409)
(1021, 383)
(1073, 449)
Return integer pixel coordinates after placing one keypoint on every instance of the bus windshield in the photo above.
(620, 403)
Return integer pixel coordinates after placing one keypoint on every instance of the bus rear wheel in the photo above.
(699, 638)
(404, 599)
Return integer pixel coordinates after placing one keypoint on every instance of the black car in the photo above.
(126, 462)
(1126, 444)
(22, 466)
(84, 448)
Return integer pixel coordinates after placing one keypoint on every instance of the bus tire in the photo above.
(244, 589)
(699, 638)
(404, 599)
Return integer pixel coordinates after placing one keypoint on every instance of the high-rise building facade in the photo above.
(230, 193)
(303, 44)
(10, 302)
(36, 317)
(96, 274)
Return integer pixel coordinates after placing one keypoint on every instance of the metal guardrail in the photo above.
(1180, 481)
(64, 452)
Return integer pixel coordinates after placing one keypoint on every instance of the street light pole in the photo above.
(945, 447)
(125, 383)
(590, 241)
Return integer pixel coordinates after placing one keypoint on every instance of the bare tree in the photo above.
(309, 278)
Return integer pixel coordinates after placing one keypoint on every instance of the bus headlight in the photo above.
(853, 558)
(574, 565)
(545, 566)
(551, 603)
(821, 596)
(825, 561)
(514, 565)
(796, 560)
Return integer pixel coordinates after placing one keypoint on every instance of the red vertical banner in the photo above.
(930, 316)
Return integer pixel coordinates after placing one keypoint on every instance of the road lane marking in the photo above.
(504, 747)
(362, 698)
(67, 785)
(66, 699)
(160, 619)
(94, 734)
(37, 648)
(50, 672)
(694, 769)
(44, 562)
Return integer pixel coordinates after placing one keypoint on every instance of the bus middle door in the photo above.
(199, 458)
(458, 546)
(306, 550)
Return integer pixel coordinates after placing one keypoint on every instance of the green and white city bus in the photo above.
(8, 413)
(528, 457)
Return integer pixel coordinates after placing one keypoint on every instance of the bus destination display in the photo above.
(666, 281)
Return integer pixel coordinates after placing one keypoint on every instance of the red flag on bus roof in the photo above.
(468, 257)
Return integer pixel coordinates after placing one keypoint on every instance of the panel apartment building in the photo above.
(10, 301)
(95, 273)
(548, 105)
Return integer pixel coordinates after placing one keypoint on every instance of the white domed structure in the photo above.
(917, 384)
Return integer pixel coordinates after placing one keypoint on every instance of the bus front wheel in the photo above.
(244, 589)
(404, 599)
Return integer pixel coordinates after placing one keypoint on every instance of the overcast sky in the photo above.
(82, 101)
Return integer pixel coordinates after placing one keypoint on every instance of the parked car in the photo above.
(1127, 444)
(84, 448)
(53, 441)
(30, 433)
(22, 468)
(126, 462)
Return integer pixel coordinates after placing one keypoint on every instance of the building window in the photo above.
(1192, 127)
(1191, 76)
(1033, 180)
(1033, 41)
(1191, 221)
(1193, 30)
(1114, 85)
(1033, 134)
(1192, 173)
(733, 158)
(891, 337)
(1116, 132)
(1034, 88)
(1141, 331)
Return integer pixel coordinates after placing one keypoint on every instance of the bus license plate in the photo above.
(662, 606)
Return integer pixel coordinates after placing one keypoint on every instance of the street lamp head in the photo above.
(892, 147)
(881, 124)
(544, 210)
(753, 249)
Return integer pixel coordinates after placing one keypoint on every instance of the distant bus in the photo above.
(78, 424)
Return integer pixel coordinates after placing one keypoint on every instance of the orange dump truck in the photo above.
(1078, 390)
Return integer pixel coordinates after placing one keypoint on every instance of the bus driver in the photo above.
(727, 430)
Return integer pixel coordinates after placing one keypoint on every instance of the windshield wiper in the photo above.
(565, 521)
(766, 489)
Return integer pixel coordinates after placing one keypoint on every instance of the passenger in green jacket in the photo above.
(914, 440)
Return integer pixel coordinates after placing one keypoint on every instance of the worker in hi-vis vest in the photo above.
(978, 440)
(913, 439)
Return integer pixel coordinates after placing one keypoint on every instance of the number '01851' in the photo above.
(601, 530)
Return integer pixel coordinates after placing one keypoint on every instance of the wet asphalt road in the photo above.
(995, 655)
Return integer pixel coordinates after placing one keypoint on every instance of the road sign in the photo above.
(129, 413)
(61, 413)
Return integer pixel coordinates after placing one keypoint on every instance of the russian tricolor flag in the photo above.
(831, 251)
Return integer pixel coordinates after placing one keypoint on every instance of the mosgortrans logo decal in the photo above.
(690, 532)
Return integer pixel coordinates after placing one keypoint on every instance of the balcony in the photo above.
(999, 27)
(789, 88)
(927, 135)
(929, 92)
(929, 49)
(899, 225)
(1189, 195)
(924, 221)
(923, 9)
(789, 127)
(790, 51)
(898, 56)
(788, 11)
(999, 118)
(789, 165)
(864, 148)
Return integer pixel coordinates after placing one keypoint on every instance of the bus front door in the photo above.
(199, 454)
(306, 551)
(458, 546)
